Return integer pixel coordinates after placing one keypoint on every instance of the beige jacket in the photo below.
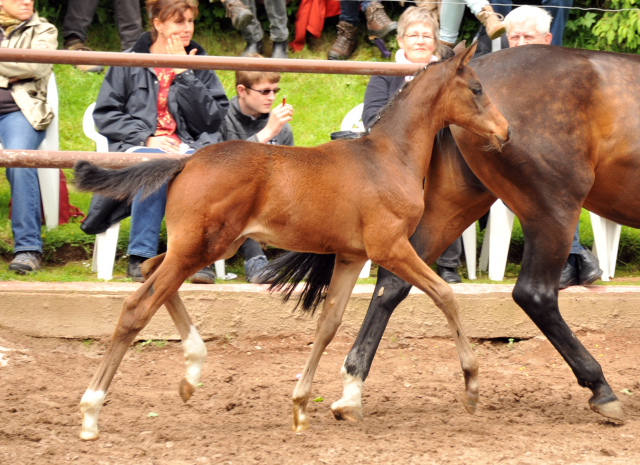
(30, 92)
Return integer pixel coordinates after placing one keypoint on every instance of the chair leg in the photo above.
(606, 239)
(220, 271)
(469, 242)
(49, 180)
(104, 252)
(501, 219)
(366, 270)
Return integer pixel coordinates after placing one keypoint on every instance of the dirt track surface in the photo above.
(532, 411)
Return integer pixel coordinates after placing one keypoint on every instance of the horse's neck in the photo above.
(409, 126)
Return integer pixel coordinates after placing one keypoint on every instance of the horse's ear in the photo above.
(460, 46)
(466, 55)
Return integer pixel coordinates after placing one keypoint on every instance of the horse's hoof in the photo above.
(186, 390)
(89, 435)
(300, 426)
(612, 410)
(346, 412)
(469, 404)
(300, 420)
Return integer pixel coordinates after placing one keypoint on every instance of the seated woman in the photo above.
(160, 110)
(418, 40)
(24, 116)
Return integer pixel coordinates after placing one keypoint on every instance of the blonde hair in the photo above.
(418, 15)
(522, 14)
(168, 9)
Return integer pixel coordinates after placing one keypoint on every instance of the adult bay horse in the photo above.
(575, 141)
(334, 198)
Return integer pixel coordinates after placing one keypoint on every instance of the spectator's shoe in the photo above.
(569, 276)
(280, 50)
(239, 13)
(492, 22)
(345, 43)
(26, 262)
(588, 268)
(378, 23)
(133, 269)
(253, 269)
(449, 274)
(204, 276)
(252, 48)
(77, 44)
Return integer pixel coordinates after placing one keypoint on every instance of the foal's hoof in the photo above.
(89, 435)
(300, 420)
(469, 404)
(186, 390)
(611, 409)
(346, 412)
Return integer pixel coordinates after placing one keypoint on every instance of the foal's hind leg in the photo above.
(345, 275)
(405, 263)
(195, 351)
(136, 313)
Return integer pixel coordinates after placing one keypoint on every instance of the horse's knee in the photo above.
(131, 319)
(534, 300)
(149, 266)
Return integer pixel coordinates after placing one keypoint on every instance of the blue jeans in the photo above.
(17, 134)
(559, 15)
(146, 219)
(349, 11)
(576, 247)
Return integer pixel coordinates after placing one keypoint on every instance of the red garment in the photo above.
(310, 17)
(166, 124)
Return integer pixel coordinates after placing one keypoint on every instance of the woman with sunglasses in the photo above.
(160, 110)
(418, 41)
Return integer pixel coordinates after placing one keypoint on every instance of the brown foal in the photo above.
(358, 199)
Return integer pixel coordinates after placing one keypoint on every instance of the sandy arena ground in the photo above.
(532, 410)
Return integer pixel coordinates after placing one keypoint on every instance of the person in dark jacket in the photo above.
(160, 110)
(418, 41)
(251, 118)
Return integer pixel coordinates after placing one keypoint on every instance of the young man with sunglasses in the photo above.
(252, 118)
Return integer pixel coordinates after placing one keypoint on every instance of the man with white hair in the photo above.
(528, 25)
(559, 10)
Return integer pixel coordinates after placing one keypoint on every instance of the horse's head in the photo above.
(465, 104)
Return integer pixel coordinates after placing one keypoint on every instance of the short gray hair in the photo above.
(541, 17)
(416, 15)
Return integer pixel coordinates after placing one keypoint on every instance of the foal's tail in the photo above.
(124, 184)
(287, 271)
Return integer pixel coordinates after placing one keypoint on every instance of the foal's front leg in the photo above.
(195, 351)
(345, 275)
(406, 264)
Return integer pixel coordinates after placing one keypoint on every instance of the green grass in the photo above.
(320, 102)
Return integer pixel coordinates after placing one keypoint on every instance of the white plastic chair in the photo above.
(104, 249)
(353, 122)
(49, 178)
(495, 248)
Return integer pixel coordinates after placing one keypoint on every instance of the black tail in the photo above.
(287, 271)
(126, 182)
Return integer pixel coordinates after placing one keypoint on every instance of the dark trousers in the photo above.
(80, 14)
(451, 256)
(277, 14)
(250, 249)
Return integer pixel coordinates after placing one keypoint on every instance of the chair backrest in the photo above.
(353, 120)
(89, 128)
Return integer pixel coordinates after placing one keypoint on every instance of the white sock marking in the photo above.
(352, 392)
(195, 352)
(90, 406)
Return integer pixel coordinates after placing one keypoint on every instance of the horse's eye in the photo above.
(477, 90)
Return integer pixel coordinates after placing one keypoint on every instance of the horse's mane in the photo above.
(402, 93)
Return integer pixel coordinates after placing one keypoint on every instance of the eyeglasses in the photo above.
(266, 91)
(526, 37)
(415, 37)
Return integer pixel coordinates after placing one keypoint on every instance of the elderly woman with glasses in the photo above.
(160, 110)
(418, 41)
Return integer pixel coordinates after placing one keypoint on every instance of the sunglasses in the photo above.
(266, 91)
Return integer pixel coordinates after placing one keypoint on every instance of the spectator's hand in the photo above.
(12, 80)
(279, 115)
(175, 47)
(164, 143)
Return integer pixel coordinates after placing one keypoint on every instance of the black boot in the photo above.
(449, 274)
(588, 267)
(253, 48)
(569, 276)
(133, 269)
(280, 50)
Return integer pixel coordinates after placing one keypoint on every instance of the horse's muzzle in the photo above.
(499, 141)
